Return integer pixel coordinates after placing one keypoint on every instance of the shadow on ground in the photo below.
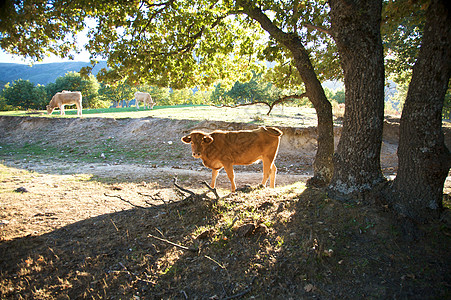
(268, 244)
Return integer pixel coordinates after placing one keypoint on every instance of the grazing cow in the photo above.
(224, 149)
(145, 97)
(65, 98)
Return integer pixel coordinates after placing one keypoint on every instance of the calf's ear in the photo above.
(186, 139)
(207, 139)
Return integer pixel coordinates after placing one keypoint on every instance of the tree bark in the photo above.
(323, 164)
(424, 160)
(356, 30)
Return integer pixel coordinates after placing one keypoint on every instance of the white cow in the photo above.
(145, 97)
(65, 98)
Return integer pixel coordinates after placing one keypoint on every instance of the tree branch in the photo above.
(243, 104)
(158, 4)
(270, 105)
(321, 29)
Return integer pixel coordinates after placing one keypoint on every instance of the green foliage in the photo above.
(39, 95)
(402, 32)
(23, 94)
(178, 44)
(159, 94)
(202, 97)
(310, 21)
(339, 96)
(254, 90)
(179, 96)
(122, 91)
(202, 43)
(37, 28)
(219, 95)
(5, 106)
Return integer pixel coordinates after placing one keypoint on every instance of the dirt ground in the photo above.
(88, 209)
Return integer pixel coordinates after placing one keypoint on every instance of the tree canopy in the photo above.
(186, 44)
(169, 43)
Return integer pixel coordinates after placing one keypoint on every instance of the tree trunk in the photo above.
(323, 165)
(356, 30)
(424, 160)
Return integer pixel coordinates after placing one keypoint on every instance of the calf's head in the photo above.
(50, 109)
(198, 140)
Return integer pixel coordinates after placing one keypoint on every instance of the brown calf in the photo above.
(146, 98)
(65, 98)
(224, 149)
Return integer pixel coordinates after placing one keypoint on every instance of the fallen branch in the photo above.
(173, 244)
(213, 190)
(216, 262)
(154, 197)
(126, 201)
(183, 189)
(196, 197)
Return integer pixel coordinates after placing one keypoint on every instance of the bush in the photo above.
(22, 94)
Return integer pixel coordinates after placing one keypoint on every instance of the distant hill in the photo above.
(42, 73)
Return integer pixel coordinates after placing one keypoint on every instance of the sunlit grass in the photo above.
(256, 114)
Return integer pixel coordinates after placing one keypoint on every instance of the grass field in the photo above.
(281, 115)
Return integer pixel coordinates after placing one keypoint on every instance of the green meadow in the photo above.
(257, 114)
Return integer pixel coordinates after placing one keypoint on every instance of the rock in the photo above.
(206, 234)
(21, 190)
(261, 229)
(245, 230)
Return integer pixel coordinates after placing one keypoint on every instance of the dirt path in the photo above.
(147, 149)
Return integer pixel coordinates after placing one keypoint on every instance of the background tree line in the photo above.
(23, 94)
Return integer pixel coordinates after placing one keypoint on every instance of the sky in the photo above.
(15, 59)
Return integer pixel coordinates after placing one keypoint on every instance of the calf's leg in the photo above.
(269, 171)
(272, 174)
(214, 174)
(231, 175)
(79, 109)
(266, 170)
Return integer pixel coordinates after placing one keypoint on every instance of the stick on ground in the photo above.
(173, 244)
